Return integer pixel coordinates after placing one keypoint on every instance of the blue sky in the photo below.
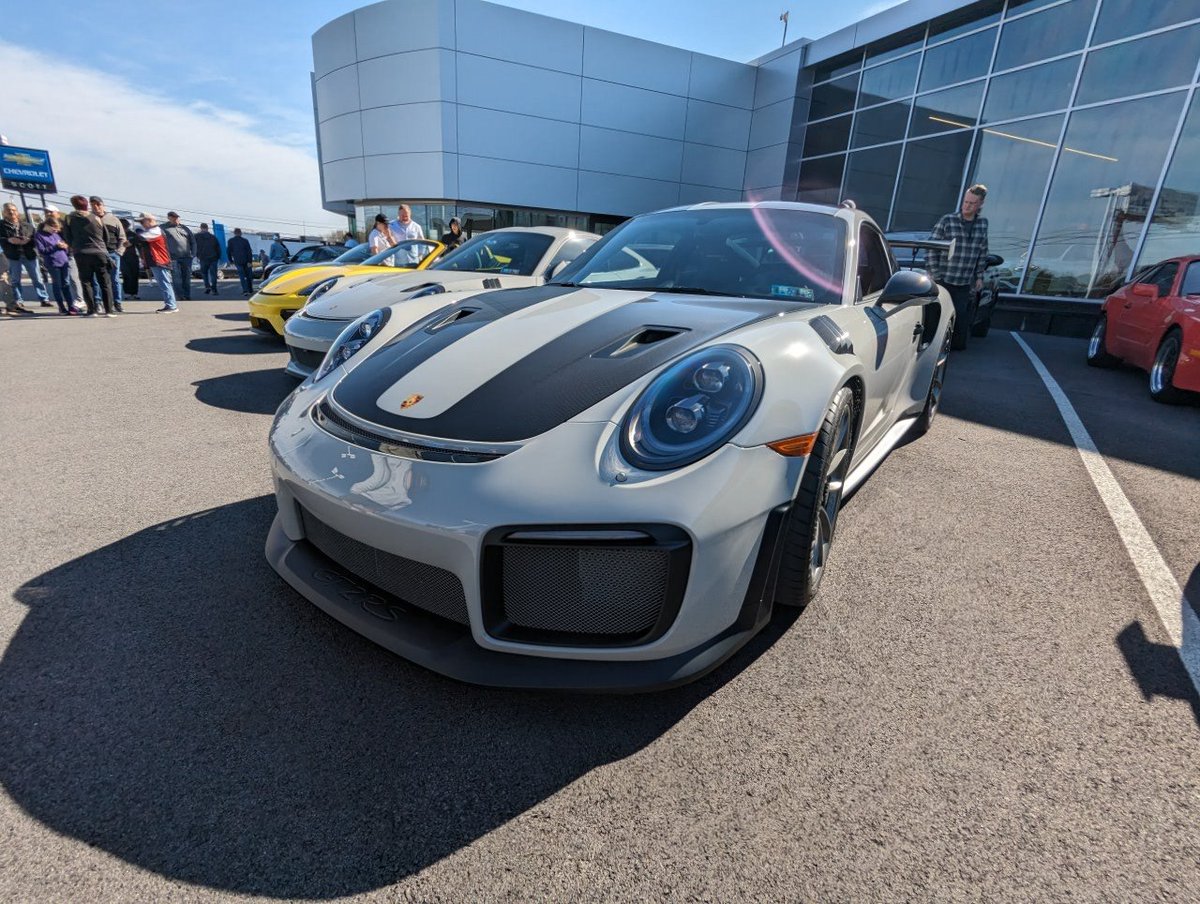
(186, 79)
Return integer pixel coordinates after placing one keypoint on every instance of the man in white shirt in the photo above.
(404, 227)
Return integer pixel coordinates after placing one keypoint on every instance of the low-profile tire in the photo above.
(809, 537)
(933, 398)
(1162, 371)
(1097, 351)
(962, 328)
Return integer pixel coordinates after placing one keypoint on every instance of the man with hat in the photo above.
(182, 246)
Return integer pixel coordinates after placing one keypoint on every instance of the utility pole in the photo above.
(783, 17)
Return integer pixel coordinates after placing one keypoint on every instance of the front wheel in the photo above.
(1162, 372)
(1097, 354)
(809, 537)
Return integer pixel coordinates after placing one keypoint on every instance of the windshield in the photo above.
(516, 253)
(403, 254)
(759, 252)
(356, 255)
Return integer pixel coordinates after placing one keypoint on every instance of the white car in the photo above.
(611, 481)
(501, 259)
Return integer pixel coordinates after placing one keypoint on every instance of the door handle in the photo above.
(918, 331)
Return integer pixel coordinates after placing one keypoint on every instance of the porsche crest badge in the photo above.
(411, 400)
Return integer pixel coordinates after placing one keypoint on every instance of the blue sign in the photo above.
(26, 169)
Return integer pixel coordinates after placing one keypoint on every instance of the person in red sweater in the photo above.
(158, 259)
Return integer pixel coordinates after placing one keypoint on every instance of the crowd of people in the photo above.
(389, 233)
(90, 261)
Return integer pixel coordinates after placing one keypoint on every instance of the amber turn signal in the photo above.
(794, 445)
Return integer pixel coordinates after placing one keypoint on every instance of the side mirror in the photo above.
(1145, 290)
(905, 285)
(993, 260)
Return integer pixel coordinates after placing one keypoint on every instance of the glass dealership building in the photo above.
(1081, 117)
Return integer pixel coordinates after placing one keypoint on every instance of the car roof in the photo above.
(555, 231)
(844, 211)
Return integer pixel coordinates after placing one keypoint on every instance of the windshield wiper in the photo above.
(689, 290)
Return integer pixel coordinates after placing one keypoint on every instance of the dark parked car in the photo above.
(980, 320)
(309, 254)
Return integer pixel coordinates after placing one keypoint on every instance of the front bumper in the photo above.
(308, 339)
(441, 515)
(269, 313)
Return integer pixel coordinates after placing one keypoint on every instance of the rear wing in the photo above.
(912, 252)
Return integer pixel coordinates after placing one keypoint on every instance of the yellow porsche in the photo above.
(285, 293)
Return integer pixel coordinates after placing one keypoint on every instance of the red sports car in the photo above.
(1154, 323)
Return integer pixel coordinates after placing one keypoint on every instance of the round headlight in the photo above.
(317, 289)
(352, 340)
(692, 408)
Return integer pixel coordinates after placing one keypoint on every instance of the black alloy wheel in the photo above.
(1162, 371)
(1097, 351)
(809, 538)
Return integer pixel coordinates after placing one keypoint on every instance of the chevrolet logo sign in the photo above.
(22, 159)
(411, 400)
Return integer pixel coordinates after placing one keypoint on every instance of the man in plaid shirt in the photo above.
(961, 271)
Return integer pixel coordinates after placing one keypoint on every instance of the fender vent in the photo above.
(833, 335)
(491, 283)
(639, 341)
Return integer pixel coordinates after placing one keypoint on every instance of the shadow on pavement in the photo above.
(236, 343)
(252, 392)
(993, 383)
(169, 700)
(240, 318)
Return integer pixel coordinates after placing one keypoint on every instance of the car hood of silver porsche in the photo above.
(506, 366)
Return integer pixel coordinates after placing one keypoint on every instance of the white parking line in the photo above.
(1174, 609)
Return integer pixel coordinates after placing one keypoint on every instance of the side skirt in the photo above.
(875, 457)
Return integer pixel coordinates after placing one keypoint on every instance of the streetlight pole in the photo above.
(783, 17)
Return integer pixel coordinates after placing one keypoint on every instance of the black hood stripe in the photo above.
(561, 378)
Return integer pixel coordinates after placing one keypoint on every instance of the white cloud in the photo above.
(129, 143)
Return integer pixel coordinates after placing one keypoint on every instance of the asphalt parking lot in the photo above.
(983, 704)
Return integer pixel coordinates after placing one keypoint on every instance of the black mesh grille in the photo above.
(424, 586)
(585, 589)
(306, 357)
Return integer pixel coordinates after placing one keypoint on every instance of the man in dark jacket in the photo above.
(84, 232)
(16, 239)
(114, 241)
(182, 246)
(208, 250)
(242, 257)
(454, 237)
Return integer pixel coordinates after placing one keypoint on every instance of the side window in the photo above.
(874, 263)
(1191, 280)
(568, 252)
(1164, 278)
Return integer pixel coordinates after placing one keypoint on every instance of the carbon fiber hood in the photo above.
(510, 365)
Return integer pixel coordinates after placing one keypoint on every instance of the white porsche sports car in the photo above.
(500, 259)
(610, 481)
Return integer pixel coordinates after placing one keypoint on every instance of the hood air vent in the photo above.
(452, 317)
(639, 341)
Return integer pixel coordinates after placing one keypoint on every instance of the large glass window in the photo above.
(1111, 159)
(1175, 228)
(930, 180)
(1014, 161)
(1053, 32)
(827, 137)
(1137, 67)
(963, 20)
(958, 61)
(889, 81)
(870, 178)
(838, 66)
(1121, 18)
(880, 124)
(954, 108)
(834, 97)
(821, 180)
(896, 45)
(1038, 89)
